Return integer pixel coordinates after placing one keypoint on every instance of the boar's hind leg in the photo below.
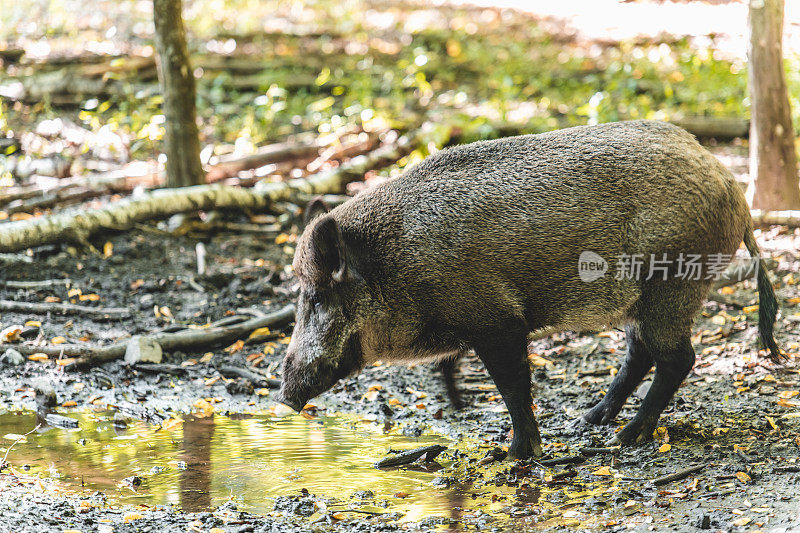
(637, 364)
(674, 357)
(506, 359)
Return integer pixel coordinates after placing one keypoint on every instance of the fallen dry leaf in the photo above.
(130, 517)
(10, 334)
(664, 448)
(603, 471)
(743, 477)
(170, 424)
(743, 521)
(38, 357)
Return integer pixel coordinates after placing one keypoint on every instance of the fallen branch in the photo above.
(271, 153)
(598, 451)
(76, 225)
(780, 218)
(568, 460)
(404, 458)
(105, 313)
(680, 474)
(253, 377)
(41, 284)
(140, 412)
(185, 340)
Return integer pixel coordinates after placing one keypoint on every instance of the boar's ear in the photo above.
(316, 207)
(328, 251)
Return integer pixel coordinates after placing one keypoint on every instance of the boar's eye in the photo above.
(316, 300)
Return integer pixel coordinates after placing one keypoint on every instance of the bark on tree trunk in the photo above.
(182, 144)
(773, 160)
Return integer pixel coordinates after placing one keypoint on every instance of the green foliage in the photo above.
(326, 63)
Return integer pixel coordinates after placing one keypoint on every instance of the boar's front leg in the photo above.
(447, 367)
(506, 359)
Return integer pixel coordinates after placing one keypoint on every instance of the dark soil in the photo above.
(736, 414)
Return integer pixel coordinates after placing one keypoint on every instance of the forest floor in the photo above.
(182, 447)
(737, 416)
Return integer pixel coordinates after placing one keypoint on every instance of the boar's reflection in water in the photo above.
(478, 246)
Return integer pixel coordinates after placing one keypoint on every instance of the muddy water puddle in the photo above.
(251, 460)
(204, 462)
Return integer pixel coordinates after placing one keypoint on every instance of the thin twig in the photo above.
(108, 313)
(3, 463)
(680, 474)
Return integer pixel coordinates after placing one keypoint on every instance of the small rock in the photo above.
(12, 357)
(144, 350)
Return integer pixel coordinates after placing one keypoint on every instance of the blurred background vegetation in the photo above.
(266, 69)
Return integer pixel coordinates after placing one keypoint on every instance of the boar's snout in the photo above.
(293, 392)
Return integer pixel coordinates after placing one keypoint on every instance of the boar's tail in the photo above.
(767, 302)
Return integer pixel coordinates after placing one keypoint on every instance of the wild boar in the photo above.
(481, 244)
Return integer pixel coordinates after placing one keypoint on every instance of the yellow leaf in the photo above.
(73, 292)
(727, 290)
(750, 309)
(719, 320)
(664, 448)
(206, 409)
(235, 347)
(793, 301)
(10, 334)
(65, 362)
(207, 357)
(108, 249)
(260, 332)
(394, 401)
(743, 477)
(3, 215)
(743, 521)
(130, 517)
(170, 424)
(38, 357)
(262, 392)
(58, 340)
(772, 423)
(33, 324)
(371, 395)
(788, 394)
(89, 297)
(216, 530)
(603, 471)
(69, 403)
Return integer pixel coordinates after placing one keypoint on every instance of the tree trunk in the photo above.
(182, 144)
(773, 160)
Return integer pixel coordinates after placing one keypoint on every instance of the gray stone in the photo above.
(143, 350)
(12, 357)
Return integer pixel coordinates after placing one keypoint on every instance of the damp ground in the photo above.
(221, 454)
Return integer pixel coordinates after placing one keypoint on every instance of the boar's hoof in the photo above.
(632, 435)
(530, 447)
(599, 415)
